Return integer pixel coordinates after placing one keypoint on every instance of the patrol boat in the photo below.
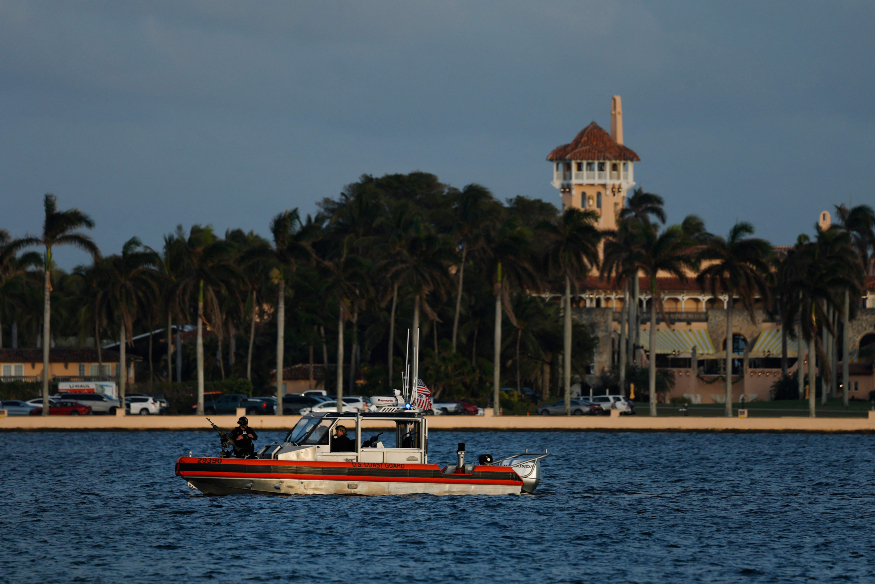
(388, 456)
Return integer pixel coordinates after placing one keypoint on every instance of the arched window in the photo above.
(867, 344)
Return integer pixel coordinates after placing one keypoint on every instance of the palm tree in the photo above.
(129, 283)
(473, 207)
(421, 261)
(740, 265)
(204, 271)
(572, 250)
(59, 228)
(292, 241)
(859, 223)
(820, 270)
(670, 252)
(639, 209)
(13, 270)
(507, 261)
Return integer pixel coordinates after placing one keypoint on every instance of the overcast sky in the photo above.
(151, 114)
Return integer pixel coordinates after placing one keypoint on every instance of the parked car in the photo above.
(614, 402)
(100, 402)
(579, 407)
(228, 404)
(469, 409)
(349, 404)
(37, 402)
(64, 408)
(293, 403)
(163, 404)
(15, 407)
(445, 408)
(310, 392)
(526, 391)
(141, 405)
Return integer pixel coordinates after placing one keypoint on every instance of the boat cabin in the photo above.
(393, 437)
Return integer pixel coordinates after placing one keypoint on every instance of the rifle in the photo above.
(226, 442)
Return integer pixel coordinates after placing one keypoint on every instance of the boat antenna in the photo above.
(415, 383)
(406, 375)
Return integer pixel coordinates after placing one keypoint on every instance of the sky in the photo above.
(147, 115)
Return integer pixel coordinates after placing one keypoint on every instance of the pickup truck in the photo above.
(228, 404)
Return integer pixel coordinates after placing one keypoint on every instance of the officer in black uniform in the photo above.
(242, 437)
(342, 442)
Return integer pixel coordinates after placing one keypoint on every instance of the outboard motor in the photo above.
(528, 466)
(461, 454)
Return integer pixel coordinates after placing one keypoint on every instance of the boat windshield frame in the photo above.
(306, 424)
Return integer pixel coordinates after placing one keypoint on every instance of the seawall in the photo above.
(471, 423)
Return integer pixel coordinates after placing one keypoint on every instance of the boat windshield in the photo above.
(301, 429)
(319, 434)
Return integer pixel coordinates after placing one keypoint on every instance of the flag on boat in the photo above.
(422, 399)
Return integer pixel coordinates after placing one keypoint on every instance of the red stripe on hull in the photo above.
(347, 478)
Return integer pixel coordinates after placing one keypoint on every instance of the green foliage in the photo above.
(680, 401)
(182, 396)
(516, 404)
(23, 390)
(786, 387)
(640, 376)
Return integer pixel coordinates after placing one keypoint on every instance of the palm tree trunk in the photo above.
(434, 330)
(232, 346)
(280, 343)
(545, 380)
(519, 333)
(846, 362)
(651, 359)
(151, 372)
(14, 332)
(634, 325)
(623, 335)
(47, 311)
(496, 358)
(352, 354)
(310, 372)
(99, 350)
(784, 349)
(200, 351)
(168, 336)
(339, 387)
(800, 358)
(219, 359)
(122, 365)
(392, 333)
(324, 349)
(179, 355)
(474, 346)
(566, 346)
(251, 339)
(824, 343)
(812, 375)
(729, 351)
(415, 317)
(459, 297)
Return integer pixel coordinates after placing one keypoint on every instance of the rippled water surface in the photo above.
(106, 507)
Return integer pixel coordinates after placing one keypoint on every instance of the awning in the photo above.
(769, 342)
(679, 342)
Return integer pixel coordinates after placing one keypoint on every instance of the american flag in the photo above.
(422, 399)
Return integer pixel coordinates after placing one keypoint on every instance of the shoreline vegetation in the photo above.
(490, 285)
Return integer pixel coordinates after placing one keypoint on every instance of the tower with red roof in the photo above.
(595, 170)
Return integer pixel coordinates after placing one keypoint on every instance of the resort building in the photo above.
(64, 365)
(594, 172)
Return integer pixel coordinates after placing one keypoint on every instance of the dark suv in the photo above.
(293, 402)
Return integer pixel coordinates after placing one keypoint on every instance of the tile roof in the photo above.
(59, 356)
(593, 143)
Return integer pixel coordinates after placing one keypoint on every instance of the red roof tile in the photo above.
(593, 143)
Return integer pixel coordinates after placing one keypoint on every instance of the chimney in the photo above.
(617, 119)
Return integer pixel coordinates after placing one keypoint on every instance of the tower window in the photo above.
(590, 167)
(598, 200)
(557, 167)
(567, 167)
(601, 166)
(579, 166)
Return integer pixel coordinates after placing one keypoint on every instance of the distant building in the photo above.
(64, 365)
(594, 172)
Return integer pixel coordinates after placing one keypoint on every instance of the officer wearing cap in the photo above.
(342, 442)
(242, 437)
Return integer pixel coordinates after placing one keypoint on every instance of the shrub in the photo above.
(681, 401)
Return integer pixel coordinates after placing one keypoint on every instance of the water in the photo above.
(654, 507)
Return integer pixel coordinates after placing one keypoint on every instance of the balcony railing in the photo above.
(25, 378)
(678, 316)
(84, 378)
